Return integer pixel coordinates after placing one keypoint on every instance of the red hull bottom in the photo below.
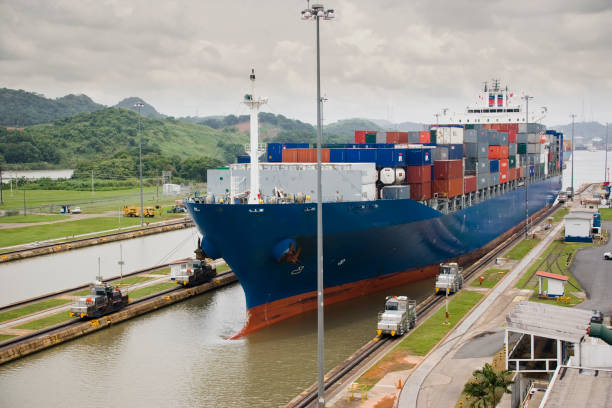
(267, 314)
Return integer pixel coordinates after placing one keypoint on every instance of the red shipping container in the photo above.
(519, 172)
(513, 127)
(420, 191)
(418, 174)
(494, 152)
(512, 174)
(558, 165)
(393, 137)
(469, 184)
(290, 156)
(424, 136)
(403, 137)
(324, 155)
(503, 165)
(448, 187)
(503, 152)
(511, 136)
(360, 136)
(487, 126)
(550, 156)
(503, 177)
(448, 169)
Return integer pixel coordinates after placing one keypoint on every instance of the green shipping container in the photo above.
(542, 168)
(512, 161)
(370, 137)
(433, 136)
(521, 148)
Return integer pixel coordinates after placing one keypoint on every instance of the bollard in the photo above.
(480, 279)
(399, 384)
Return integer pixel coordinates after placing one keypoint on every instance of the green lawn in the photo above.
(149, 290)
(132, 280)
(163, 271)
(83, 292)
(32, 218)
(522, 248)
(491, 277)
(559, 214)
(606, 214)
(4, 337)
(46, 321)
(99, 201)
(428, 334)
(32, 308)
(22, 235)
(222, 268)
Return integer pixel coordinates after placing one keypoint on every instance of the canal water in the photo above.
(45, 274)
(36, 174)
(181, 356)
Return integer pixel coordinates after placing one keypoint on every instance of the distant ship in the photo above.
(373, 243)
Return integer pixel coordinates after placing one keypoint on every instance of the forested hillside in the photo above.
(19, 108)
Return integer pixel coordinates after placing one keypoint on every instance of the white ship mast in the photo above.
(254, 104)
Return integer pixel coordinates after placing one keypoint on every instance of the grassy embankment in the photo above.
(491, 277)
(149, 290)
(422, 339)
(557, 258)
(522, 248)
(31, 308)
(46, 321)
(606, 214)
(21, 219)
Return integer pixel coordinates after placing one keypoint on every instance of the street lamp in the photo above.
(318, 12)
(573, 116)
(139, 105)
(527, 98)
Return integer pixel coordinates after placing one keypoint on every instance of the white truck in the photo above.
(450, 277)
(398, 317)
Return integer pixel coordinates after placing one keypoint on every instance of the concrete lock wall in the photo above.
(595, 355)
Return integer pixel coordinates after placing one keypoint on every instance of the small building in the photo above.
(171, 189)
(578, 226)
(555, 284)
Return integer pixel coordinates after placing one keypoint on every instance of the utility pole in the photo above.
(573, 116)
(527, 98)
(92, 182)
(140, 105)
(2, 197)
(605, 166)
(24, 201)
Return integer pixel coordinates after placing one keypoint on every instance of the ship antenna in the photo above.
(254, 104)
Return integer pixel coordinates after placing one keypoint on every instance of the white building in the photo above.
(555, 283)
(578, 227)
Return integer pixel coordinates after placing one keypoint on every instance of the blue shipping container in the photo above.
(384, 158)
(399, 157)
(352, 155)
(494, 166)
(531, 170)
(337, 155)
(455, 151)
(296, 145)
(244, 158)
(367, 155)
(275, 153)
(418, 157)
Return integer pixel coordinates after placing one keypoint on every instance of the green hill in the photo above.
(146, 110)
(104, 133)
(19, 108)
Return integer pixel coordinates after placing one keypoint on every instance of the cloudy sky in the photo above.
(390, 59)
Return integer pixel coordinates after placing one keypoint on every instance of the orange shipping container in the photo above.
(448, 188)
(469, 184)
(503, 165)
(393, 137)
(503, 152)
(425, 136)
(290, 156)
(494, 152)
(420, 191)
(503, 177)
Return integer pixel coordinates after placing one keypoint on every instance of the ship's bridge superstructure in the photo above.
(495, 104)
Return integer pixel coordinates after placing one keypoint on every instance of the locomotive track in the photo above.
(337, 375)
(56, 329)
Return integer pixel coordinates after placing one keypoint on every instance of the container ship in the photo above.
(395, 205)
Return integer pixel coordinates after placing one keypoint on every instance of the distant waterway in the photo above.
(36, 174)
(49, 273)
(589, 168)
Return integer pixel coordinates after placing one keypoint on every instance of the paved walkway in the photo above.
(410, 394)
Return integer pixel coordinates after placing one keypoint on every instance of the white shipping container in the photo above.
(533, 138)
(456, 135)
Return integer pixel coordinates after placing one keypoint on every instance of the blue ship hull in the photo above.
(363, 242)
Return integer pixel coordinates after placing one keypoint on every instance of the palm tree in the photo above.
(486, 385)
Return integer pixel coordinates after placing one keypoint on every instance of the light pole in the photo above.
(140, 105)
(527, 98)
(573, 158)
(605, 166)
(318, 12)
